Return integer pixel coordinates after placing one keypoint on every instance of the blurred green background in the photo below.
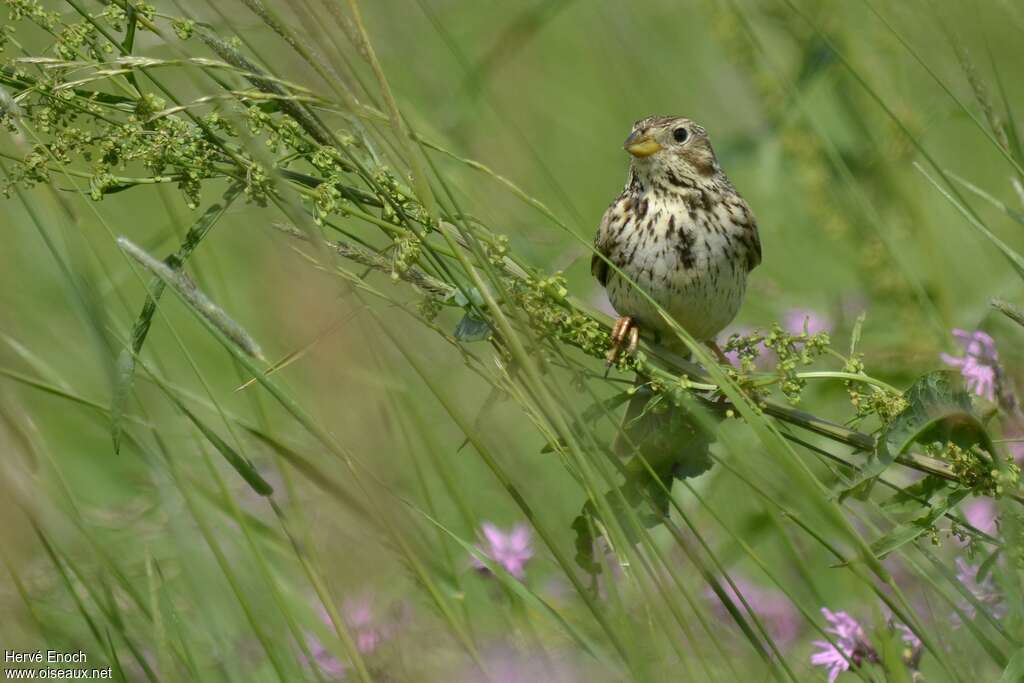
(818, 112)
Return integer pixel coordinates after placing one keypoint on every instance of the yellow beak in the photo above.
(640, 144)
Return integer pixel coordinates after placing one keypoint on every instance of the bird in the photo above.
(680, 231)
(681, 234)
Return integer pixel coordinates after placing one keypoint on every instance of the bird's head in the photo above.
(671, 147)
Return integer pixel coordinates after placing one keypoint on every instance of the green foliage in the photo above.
(404, 283)
(936, 411)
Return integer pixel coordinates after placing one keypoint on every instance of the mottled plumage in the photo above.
(679, 230)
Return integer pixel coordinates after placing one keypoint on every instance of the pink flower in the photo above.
(330, 666)
(780, 619)
(851, 645)
(511, 550)
(978, 364)
(799, 320)
(908, 636)
(984, 592)
(361, 622)
(981, 514)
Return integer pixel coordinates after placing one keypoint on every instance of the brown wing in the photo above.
(751, 240)
(754, 252)
(598, 266)
(605, 240)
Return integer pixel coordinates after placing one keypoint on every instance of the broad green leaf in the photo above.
(937, 410)
(671, 441)
(674, 439)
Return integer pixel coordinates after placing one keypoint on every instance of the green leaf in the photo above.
(937, 410)
(1014, 671)
(673, 439)
(244, 468)
(858, 329)
(670, 442)
(471, 328)
(309, 470)
(638, 485)
(240, 464)
(584, 542)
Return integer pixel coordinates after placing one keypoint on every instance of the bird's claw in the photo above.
(624, 331)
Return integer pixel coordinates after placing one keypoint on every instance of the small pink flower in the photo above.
(978, 364)
(367, 631)
(511, 550)
(323, 659)
(908, 636)
(981, 514)
(851, 645)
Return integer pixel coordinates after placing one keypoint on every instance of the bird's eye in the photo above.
(680, 134)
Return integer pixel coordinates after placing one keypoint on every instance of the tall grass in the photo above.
(302, 369)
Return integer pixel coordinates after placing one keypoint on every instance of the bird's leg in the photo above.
(623, 332)
(717, 350)
(634, 340)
